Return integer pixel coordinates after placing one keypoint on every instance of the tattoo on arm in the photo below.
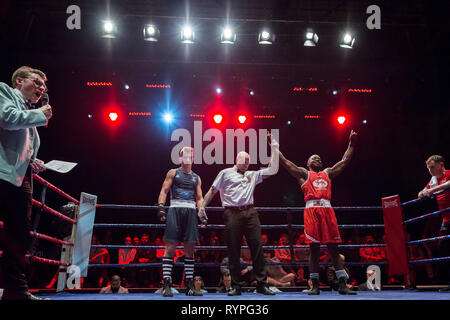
(209, 195)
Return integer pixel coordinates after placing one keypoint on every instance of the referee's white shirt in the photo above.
(236, 189)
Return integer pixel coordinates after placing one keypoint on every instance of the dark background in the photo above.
(405, 64)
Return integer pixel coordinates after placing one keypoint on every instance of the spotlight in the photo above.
(311, 38)
(109, 29)
(168, 117)
(266, 37)
(218, 90)
(217, 118)
(335, 92)
(187, 35)
(341, 119)
(227, 36)
(113, 116)
(242, 118)
(347, 41)
(252, 93)
(365, 121)
(151, 33)
(289, 122)
(90, 116)
(127, 87)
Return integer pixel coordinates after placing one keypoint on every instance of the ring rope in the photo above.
(56, 189)
(54, 212)
(52, 239)
(407, 203)
(348, 246)
(31, 259)
(425, 216)
(269, 209)
(442, 259)
(213, 264)
(44, 237)
(221, 226)
(445, 237)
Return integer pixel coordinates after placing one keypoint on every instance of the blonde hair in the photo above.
(25, 72)
(436, 158)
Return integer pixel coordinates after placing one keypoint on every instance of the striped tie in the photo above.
(28, 104)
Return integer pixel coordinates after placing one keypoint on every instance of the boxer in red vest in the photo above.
(320, 219)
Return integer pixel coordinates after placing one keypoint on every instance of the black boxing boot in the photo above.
(343, 289)
(235, 291)
(167, 288)
(315, 287)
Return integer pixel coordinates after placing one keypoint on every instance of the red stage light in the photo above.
(113, 116)
(341, 119)
(217, 118)
(242, 118)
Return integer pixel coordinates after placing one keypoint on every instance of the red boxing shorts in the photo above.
(321, 225)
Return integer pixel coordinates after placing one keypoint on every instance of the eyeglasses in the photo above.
(39, 83)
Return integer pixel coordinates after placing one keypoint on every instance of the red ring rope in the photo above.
(56, 189)
(53, 212)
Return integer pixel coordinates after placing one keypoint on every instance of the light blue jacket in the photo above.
(19, 140)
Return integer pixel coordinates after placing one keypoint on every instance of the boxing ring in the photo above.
(76, 247)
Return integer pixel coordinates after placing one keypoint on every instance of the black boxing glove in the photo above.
(162, 214)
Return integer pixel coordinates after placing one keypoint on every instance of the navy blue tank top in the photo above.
(184, 186)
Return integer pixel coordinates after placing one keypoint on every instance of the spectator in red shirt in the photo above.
(127, 256)
(440, 180)
(371, 254)
(99, 277)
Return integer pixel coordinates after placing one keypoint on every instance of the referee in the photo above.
(236, 186)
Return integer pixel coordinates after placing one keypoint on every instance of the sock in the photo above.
(189, 268)
(167, 265)
(341, 274)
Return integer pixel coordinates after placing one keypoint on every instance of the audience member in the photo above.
(277, 276)
(115, 286)
(225, 283)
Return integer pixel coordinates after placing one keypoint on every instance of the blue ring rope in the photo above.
(446, 237)
(425, 216)
(221, 226)
(407, 203)
(442, 259)
(213, 264)
(348, 246)
(269, 209)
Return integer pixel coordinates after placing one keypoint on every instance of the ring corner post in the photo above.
(83, 234)
(395, 236)
(67, 254)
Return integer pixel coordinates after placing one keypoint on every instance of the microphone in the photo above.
(44, 99)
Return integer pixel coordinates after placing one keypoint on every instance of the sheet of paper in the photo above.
(60, 166)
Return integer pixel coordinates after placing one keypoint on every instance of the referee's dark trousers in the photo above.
(239, 223)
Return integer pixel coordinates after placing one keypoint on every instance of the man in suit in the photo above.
(19, 144)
